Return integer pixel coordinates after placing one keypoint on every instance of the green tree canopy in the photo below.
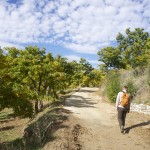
(111, 57)
(132, 47)
(132, 50)
(28, 76)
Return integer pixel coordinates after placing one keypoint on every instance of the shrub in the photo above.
(113, 85)
(62, 92)
(148, 76)
(131, 88)
(139, 71)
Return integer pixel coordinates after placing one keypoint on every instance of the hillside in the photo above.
(138, 82)
(139, 79)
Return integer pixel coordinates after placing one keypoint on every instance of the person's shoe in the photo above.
(122, 129)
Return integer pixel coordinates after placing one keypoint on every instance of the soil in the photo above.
(93, 125)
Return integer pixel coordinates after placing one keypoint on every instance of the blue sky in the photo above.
(71, 28)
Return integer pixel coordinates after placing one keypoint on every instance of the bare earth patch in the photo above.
(93, 125)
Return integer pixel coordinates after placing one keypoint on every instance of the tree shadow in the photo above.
(4, 117)
(62, 110)
(79, 101)
(7, 120)
(87, 91)
(50, 134)
(127, 130)
(7, 128)
(40, 131)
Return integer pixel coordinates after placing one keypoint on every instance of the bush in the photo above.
(131, 88)
(112, 85)
(138, 82)
(148, 76)
(62, 92)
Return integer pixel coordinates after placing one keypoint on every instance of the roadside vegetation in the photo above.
(137, 81)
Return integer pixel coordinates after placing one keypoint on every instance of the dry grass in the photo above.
(11, 128)
(140, 79)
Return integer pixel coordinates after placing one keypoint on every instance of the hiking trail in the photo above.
(93, 125)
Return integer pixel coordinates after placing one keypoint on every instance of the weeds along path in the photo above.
(93, 125)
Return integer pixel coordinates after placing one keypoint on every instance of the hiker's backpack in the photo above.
(125, 100)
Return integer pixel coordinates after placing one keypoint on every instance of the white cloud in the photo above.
(63, 10)
(73, 57)
(94, 62)
(83, 26)
(9, 44)
(82, 48)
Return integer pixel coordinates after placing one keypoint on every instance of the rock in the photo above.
(140, 108)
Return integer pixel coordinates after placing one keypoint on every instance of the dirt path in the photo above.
(93, 125)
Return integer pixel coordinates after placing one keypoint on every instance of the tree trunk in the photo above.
(39, 90)
(41, 105)
(55, 94)
(36, 106)
(47, 91)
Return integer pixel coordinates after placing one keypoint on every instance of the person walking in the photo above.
(123, 106)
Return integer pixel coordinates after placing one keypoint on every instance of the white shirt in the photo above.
(118, 100)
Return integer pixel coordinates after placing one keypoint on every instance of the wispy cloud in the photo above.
(73, 57)
(9, 44)
(83, 26)
(86, 48)
(94, 62)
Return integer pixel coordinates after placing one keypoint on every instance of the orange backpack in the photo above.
(125, 100)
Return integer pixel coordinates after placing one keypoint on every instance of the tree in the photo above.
(147, 51)
(132, 51)
(85, 66)
(97, 77)
(32, 74)
(30, 69)
(12, 95)
(75, 74)
(93, 79)
(34, 67)
(132, 47)
(111, 57)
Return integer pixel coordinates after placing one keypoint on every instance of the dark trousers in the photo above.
(121, 116)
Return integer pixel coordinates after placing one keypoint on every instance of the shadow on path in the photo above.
(127, 130)
(79, 101)
(7, 128)
(86, 91)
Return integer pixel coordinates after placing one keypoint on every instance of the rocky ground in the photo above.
(93, 125)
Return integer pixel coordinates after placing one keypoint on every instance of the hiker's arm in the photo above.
(128, 109)
(117, 100)
(129, 104)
